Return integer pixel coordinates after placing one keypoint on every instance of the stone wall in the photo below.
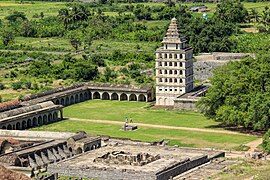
(185, 104)
(181, 167)
(203, 69)
(103, 174)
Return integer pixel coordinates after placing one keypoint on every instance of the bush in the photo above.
(17, 85)
(266, 141)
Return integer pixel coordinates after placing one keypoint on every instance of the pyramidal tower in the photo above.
(174, 67)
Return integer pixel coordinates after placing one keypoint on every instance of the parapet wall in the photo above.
(203, 69)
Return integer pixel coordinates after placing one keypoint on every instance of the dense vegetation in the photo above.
(240, 94)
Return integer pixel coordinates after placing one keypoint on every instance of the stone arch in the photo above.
(175, 56)
(175, 71)
(181, 56)
(76, 98)
(160, 101)
(24, 125)
(181, 64)
(181, 80)
(50, 117)
(166, 72)
(9, 127)
(70, 149)
(165, 64)
(105, 96)
(170, 63)
(72, 100)
(40, 120)
(29, 123)
(57, 101)
(4, 127)
(45, 119)
(63, 101)
(175, 80)
(18, 125)
(96, 95)
(114, 96)
(170, 72)
(55, 118)
(166, 79)
(160, 71)
(165, 101)
(123, 97)
(141, 97)
(181, 72)
(166, 56)
(132, 97)
(93, 147)
(170, 56)
(81, 97)
(170, 80)
(79, 150)
(175, 64)
(67, 101)
(160, 79)
(87, 149)
(35, 123)
(85, 94)
(160, 63)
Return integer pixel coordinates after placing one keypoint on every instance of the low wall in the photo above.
(183, 167)
(104, 174)
(185, 104)
(203, 69)
(35, 134)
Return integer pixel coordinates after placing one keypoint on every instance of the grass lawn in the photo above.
(176, 137)
(119, 110)
(30, 8)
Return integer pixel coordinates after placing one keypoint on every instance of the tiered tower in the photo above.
(174, 67)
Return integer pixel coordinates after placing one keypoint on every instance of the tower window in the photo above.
(166, 56)
(160, 80)
(181, 64)
(170, 63)
(160, 71)
(181, 56)
(165, 71)
(175, 71)
(181, 72)
(175, 64)
(170, 56)
(175, 56)
(165, 63)
(166, 46)
(181, 80)
(170, 72)
(176, 46)
(175, 80)
(170, 79)
(160, 55)
(160, 63)
(166, 80)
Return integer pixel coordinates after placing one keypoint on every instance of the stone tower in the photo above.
(174, 67)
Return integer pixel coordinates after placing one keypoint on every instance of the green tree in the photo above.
(265, 19)
(7, 36)
(15, 16)
(231, 11)
(240, 94)
(266, 141)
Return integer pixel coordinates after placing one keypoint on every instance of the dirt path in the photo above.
(254, 144)
(161, 126)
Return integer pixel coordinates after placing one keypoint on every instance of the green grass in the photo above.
(48, 8)
(176, 137)
(60, 44)
(118, 110)
(247, 169)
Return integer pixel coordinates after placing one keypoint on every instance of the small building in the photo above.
(81, 142)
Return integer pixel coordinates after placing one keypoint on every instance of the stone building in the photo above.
(174, 67)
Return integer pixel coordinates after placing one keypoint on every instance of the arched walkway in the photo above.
(76, 98)
(114, 96)
(40, 120)
(123, 97)
(62, 101)
(45, 119)
(35, 123)
(96, 95)
(160, 101)
(67, 101)
(72, 100)
(132, 97)
(24, 125)
(165, 101)
(79, 151)
(29, 123)
(105, 96)
(50, 118)
(18, 126)
(4, 127)
(81, 97)
(57, 101)
(9, 127)
(141, 97)
(55, 116)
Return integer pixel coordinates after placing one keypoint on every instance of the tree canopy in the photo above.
(240, 94)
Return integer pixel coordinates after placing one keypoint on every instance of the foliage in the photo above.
(231, 11)
(266, 141)
(239, 94)
(7, 36)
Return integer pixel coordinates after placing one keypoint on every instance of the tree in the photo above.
(15, 16)
(266, 141)
(265, 20)
(240, 94)
(75, 39)
(231, 11)
(7, 36)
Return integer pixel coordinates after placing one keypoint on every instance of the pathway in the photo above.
(161, 126)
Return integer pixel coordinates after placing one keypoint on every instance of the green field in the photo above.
(119, 110)
(176, 137)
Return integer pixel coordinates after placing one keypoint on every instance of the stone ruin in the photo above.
(126, 158)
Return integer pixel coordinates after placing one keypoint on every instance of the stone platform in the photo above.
(129, 127)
